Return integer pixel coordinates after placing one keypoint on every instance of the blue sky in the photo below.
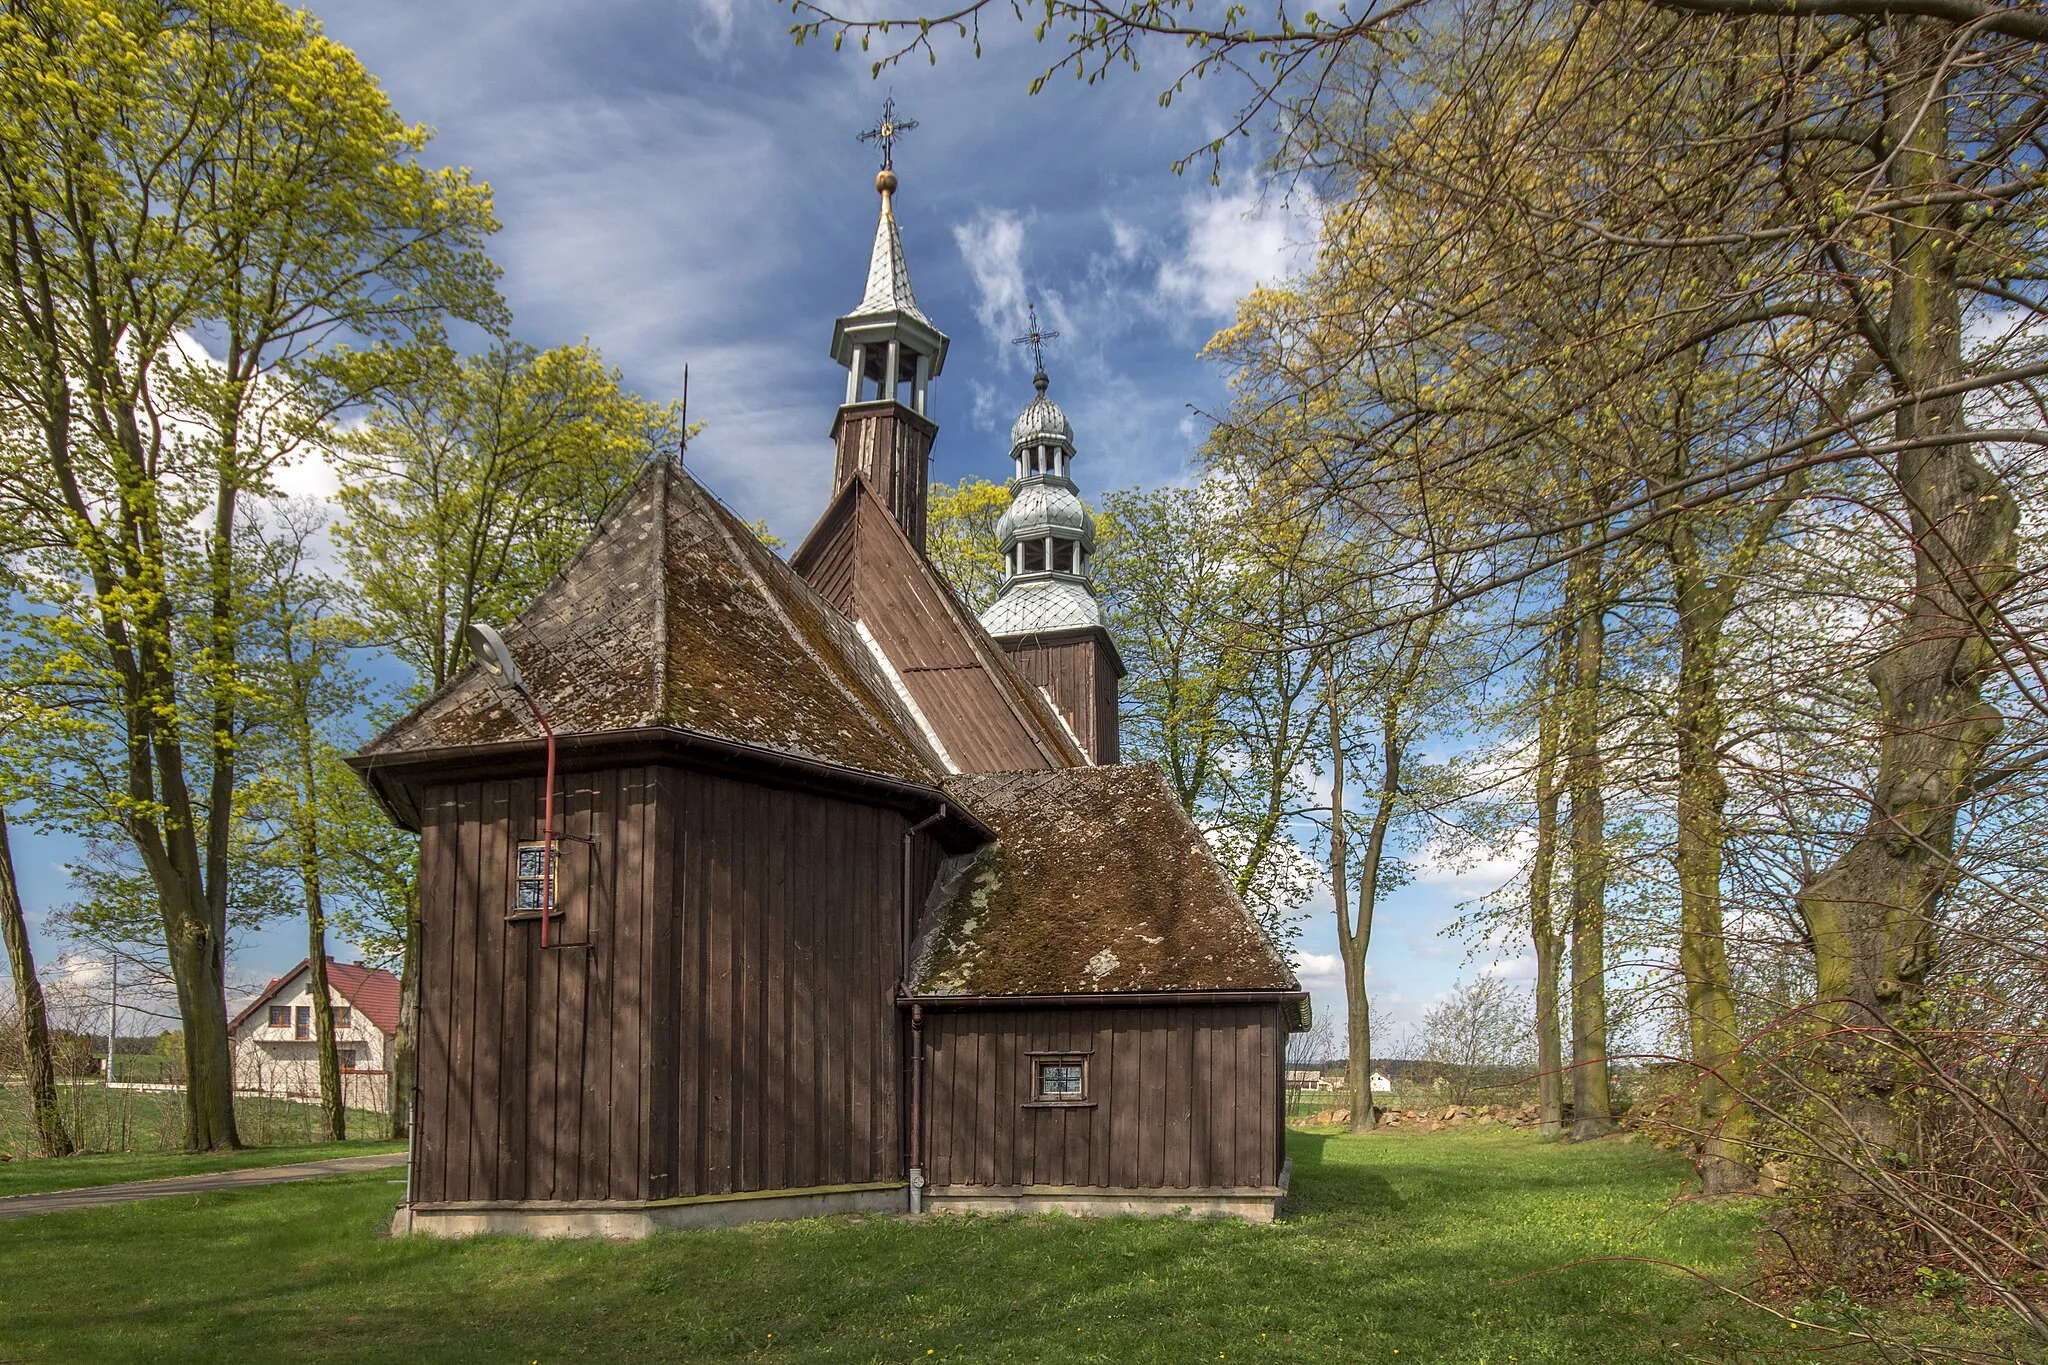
(681, 184)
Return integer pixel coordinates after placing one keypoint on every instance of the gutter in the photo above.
(1098, 999)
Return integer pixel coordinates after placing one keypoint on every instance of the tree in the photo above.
(173, 170)
(308, 689)
(473, 482)
(1476, 1030)
(1202, 601)
(961, 540)
(466, 491)
(51, 1137)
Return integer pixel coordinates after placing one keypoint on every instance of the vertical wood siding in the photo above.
(729, 1026)
(1182, 1097)
(860, 562)
(1077, 672)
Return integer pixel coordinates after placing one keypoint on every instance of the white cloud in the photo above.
(993, 247)
(1235, 243)
(1129, 239)
(1319, 970)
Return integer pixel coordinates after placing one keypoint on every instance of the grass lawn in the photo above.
(1399, 1247)
(74, 1172)
(134, 1121)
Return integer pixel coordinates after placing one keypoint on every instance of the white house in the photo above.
(275, 1051)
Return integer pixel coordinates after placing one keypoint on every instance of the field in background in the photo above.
(1441, 1247)
(118, 1120)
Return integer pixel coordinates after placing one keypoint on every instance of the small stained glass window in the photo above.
(1061, 1078)
(533, 874)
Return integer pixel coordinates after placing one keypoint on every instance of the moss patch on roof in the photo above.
(1097, 881)
(675, 614)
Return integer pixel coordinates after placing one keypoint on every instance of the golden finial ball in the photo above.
(885, 182)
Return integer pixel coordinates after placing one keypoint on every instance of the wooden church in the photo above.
(849, 905)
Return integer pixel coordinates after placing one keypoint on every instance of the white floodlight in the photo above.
(488, 648)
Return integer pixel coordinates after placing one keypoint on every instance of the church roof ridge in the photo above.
(1038, 718)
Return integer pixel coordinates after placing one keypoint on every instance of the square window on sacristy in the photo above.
(1061, 1080)
(535, 874)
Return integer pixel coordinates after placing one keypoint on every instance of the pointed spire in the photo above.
(888, 288)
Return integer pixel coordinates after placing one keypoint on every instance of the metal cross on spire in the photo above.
(1035, 339)
(888, 130)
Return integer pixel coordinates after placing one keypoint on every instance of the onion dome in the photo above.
(1041, 420)
(1043, 508)
(1046, 534)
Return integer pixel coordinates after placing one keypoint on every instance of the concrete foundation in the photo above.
(626, 1220)
(1251, 1204)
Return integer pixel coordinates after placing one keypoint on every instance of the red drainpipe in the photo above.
(909, 936)
(917, 1108)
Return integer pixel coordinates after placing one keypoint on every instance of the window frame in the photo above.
(1041, 1062)
(344, 1017)
(280, 1016)
(520, 909)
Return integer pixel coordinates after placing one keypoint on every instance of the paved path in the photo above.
(207, 1182)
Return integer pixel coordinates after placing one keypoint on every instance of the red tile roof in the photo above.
(371, 991)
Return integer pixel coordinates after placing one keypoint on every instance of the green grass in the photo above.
(103, 1120)
(1398, 1248)
(76, 1172)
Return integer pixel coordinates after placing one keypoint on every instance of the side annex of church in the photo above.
(851, 905)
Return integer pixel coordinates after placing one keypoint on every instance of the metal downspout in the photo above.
(914, 1126)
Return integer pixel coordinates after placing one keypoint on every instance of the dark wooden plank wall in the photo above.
(535, 1068)
(1184, 1097)
(1078, 674)
(788, 1058)
(731, 1026)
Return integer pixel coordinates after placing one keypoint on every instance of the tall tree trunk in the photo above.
(196, 966)
(333, 1115)
(1351, 943)
(306, 820)
(1586, 608)
(1543, 932)
(404, 1043)
(1715, 1036)
(1871, 915)
(51, 1139)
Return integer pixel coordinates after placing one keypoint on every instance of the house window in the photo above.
(280, 1016)
(302, 1022)
(533, 871)
(348, 1059)
(1061, 1080)
(341, 1016)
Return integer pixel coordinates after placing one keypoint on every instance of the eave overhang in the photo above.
(396, 779)
(868, 329)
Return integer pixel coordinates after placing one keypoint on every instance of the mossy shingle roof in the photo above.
(1097, 882)
(674, 614)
